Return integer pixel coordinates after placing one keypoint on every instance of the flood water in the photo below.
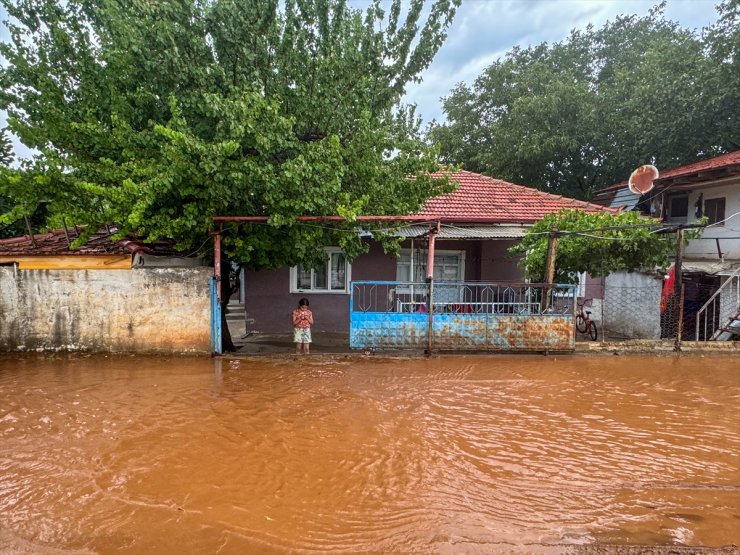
(447, 455)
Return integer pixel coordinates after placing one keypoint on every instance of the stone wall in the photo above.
(162, 310)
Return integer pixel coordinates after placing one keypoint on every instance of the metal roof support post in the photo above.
(217, 262)
(678, 290)
(430, 288)
(552, 252)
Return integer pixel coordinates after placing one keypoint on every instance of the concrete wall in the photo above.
(141, 310)
(631, 306)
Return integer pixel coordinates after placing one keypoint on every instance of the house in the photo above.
(476, 225)
(108, 295)
(711, 262)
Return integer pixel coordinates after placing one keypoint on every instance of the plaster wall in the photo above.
(631, 306)
(497, 264)
(269, 302)
(726, 234)
(163, 310)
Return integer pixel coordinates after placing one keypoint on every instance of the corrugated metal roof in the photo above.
(625, 198)
(714, 267)
(455, 232)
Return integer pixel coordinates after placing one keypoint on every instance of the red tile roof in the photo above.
(54, 243)
(484, 199)
(728, 160)
(718, 162)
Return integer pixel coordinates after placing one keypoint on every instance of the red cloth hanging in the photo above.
(669, 286)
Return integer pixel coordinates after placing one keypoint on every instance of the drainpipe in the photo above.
(552, 252)
(430, 281)
(217, 263)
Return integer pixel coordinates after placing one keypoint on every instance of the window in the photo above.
(714, 209)
(678, 208)
(448, 266)
(331, 277)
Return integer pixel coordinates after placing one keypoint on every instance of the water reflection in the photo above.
(459, 454)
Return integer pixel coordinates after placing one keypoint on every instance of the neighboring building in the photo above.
(479, 222)
(109, 296)
(711, 263)
(682, 195)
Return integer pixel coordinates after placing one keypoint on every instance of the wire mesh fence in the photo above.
(649, 312)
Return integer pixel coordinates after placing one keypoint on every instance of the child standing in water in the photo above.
(302, 322)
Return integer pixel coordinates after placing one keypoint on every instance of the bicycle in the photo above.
(584, 323)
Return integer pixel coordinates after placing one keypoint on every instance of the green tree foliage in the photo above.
(157, 116)
(582, 114)
(628, 242)
(6, 203)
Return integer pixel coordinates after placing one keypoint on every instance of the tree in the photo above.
(7, 157)
(602, 243)
(582, 114)
(157, 116)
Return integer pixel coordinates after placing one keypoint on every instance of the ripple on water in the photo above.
(140, 455)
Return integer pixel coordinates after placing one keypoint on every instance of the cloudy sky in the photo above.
(485, 30)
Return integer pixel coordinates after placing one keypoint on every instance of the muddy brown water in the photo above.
(346, 455)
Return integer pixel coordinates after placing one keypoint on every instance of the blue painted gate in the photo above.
(216, 339)
(466, 316)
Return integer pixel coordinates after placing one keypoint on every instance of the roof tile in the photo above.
(718, 162)
(54, 243)
(484, 198)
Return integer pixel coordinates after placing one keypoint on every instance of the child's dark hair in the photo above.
(303, 302)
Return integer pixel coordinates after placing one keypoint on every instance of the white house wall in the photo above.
(706, 247)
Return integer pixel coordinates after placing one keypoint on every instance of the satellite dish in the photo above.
(641, 180)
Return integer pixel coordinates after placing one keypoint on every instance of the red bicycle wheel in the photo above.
(592, 332)
(580, 323)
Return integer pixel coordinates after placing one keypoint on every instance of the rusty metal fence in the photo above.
(462, 316)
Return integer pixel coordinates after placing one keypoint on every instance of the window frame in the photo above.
(719, 201)
(329, 251)
(669, 201)
(414, 264)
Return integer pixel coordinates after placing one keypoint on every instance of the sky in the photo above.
(484, 30)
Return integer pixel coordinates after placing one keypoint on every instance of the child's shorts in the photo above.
(301, 335)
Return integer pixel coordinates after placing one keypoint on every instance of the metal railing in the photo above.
(463, 297)
(718, 311)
